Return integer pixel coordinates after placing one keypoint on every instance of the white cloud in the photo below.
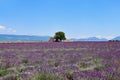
(107, 37)
(2, 27)
(110, 37)
(11, 30)
(6, 29)
(99, 36)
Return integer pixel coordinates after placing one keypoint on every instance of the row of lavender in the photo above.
(60, 61)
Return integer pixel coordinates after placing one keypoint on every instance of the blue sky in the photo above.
(77, 18)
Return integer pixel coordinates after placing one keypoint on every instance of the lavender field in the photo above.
(60, 61)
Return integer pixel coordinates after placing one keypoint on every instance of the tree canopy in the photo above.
(59, 36)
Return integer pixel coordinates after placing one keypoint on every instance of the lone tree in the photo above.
(59, 36)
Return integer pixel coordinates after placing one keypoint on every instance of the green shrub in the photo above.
(83, 65)
(98, 68)
(56, 64)
(69, 75)
(96, 60)
(25, 61)
(44, 77)
(3, 72)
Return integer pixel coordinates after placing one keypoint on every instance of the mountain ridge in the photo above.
(90, 39)
(12, 37)
(116, 38)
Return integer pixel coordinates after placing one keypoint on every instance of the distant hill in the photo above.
(90, 39)
(5, 37)
(116, 38)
